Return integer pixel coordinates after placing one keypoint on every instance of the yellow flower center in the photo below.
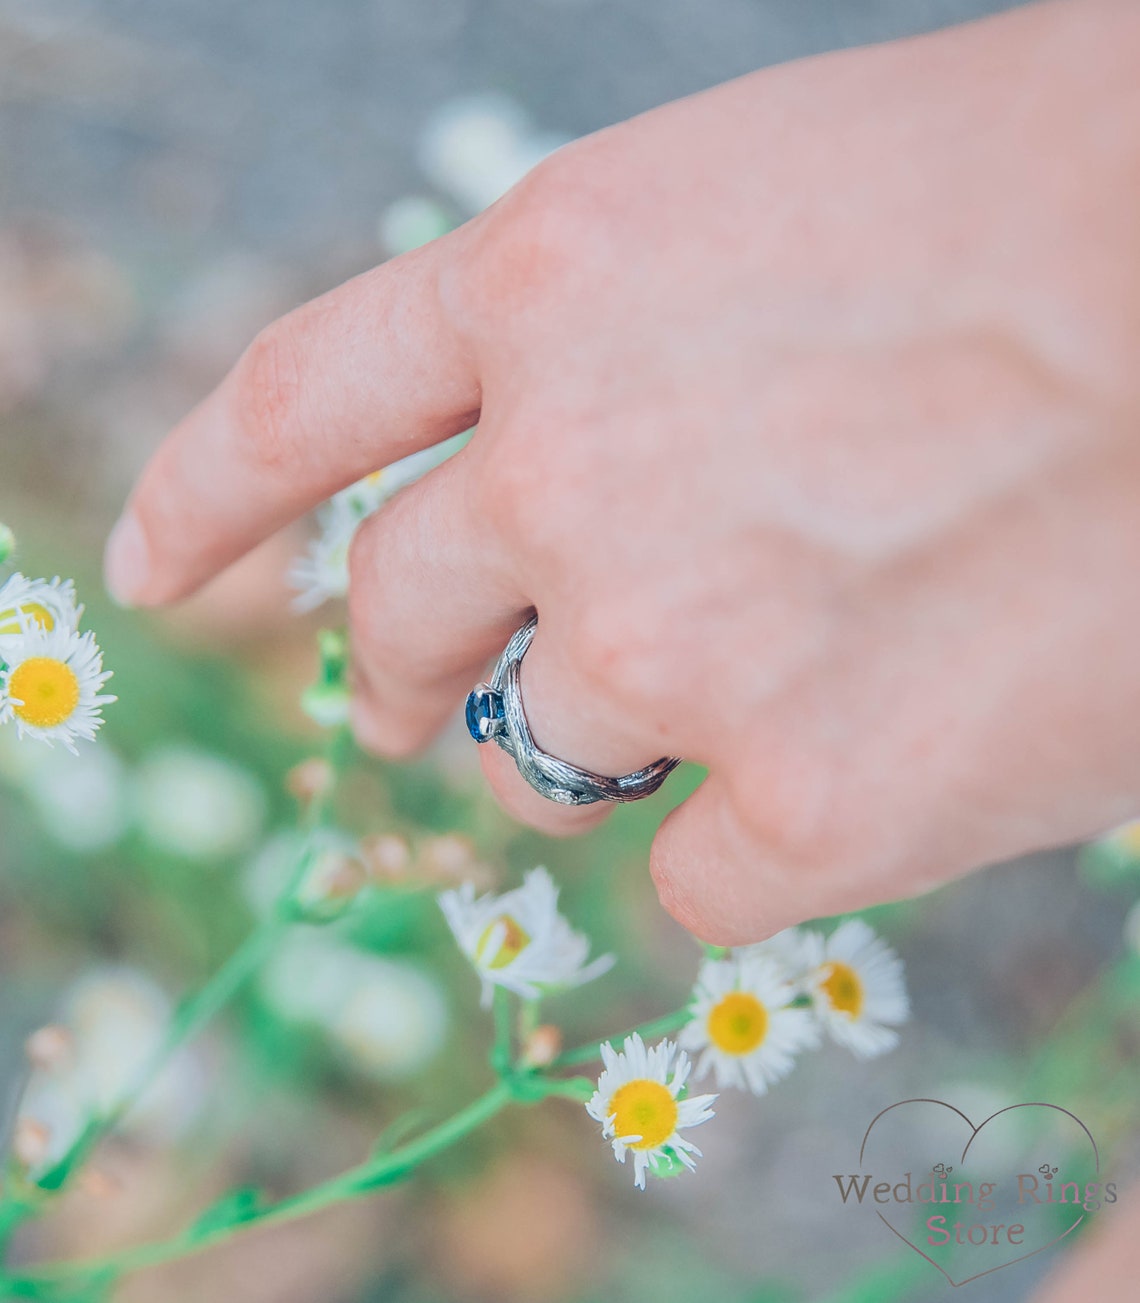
(843, 989)
(48, 690)
(644, 1108)
(10, 619)
(515, 941)
(738, 1023)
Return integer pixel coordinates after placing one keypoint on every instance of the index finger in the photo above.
(338, 388)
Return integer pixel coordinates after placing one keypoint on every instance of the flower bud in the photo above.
(331, 883)
(452, 858)
(543, 1046)
(31, 1142)
(310, 780)
(49, 1048)
(7, 543)
(387, 858)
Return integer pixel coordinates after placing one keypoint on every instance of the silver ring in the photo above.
(495, 713)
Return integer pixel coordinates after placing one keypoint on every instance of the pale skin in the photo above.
(808, 422)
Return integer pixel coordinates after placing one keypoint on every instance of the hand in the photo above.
(807, 421)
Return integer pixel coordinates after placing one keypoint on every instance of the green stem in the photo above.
(576, 1088)
(670, 1022)
(374, 1173)
(341, 748)
(12, 1212)
(528, 1019)
(201, 1009)
(187, 1022)
(502, 1051)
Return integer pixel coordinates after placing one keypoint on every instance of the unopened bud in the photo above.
(7, 543)
(331, 884)
(31, 1142)
(387, 858)
(543, 1046)
(309, 780)
(452, 858)
(49, 1048)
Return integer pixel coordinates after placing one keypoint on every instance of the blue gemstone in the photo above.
(484, 713)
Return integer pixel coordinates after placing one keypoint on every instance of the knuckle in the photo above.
(531, 244)
(269, 393)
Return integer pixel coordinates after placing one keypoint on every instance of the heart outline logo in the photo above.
(974, 1133)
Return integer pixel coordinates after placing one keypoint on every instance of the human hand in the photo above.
(806, 422)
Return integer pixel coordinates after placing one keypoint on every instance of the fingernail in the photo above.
(126, 564)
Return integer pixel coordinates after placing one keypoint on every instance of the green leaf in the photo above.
(239, 1206)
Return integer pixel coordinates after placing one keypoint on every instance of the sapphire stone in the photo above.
(484, 713)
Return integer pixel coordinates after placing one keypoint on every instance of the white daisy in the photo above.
(322, 572)
(50, 688)
(858, 989)
(519, 939)
(35, 603)
(742, 1024)
(637, 1102)
(796, 951)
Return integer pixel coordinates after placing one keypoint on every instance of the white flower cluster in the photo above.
(752, 1010)
(755, 1009)
(51, 674)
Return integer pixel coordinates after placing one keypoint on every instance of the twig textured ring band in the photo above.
(495, 713)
